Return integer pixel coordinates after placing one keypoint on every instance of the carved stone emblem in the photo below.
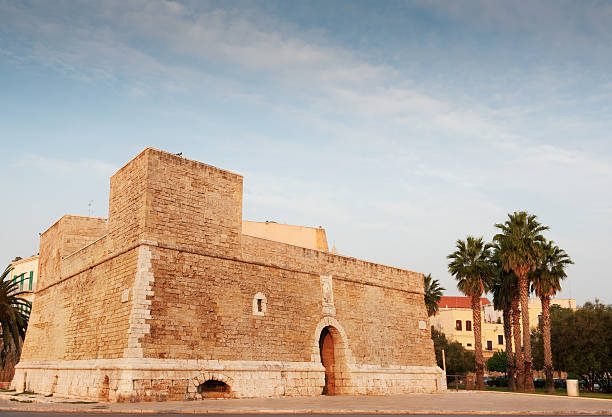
(327, 293)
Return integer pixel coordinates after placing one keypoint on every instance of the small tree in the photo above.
(497, 362)
(537, 347)
(458, 360)
(582, 342)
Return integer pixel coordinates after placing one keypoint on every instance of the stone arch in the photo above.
(214, 389)
(338, 332)
(194, 383)
(331, 342)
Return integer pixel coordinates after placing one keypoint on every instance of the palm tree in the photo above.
(520, 246)
(471, 267)
(14, 315)
(546, 281)
(504, 285)
(433, 292)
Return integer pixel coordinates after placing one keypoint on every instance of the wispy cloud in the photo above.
(496, 106)
(209, 40)
(219, 51)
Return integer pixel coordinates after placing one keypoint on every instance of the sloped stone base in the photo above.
(120, 380)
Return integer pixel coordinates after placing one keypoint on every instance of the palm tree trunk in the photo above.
(9, 359)
(509, 358)
(524, 293)
(478, 343)
(518, 352)
(548, 367)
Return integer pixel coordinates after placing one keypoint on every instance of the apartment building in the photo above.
(454, 319)
(25, 274)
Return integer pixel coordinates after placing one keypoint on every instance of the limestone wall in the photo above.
(128, 203)
(82, 317)
(202, 308)
(192, 206)
(67, 235)
(267, 252)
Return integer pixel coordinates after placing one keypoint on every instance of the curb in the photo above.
(547, 396)
(314, 412)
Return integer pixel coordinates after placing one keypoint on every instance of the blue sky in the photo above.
(398, 126)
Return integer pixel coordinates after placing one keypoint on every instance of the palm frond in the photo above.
(14, 313)
(433, 292)
(519, 242)
(471, 266)
(546, 278)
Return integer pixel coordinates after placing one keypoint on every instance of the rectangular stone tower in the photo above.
(169, 300)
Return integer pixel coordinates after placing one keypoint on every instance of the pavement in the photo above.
(450, 402)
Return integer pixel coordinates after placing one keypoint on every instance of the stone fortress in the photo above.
(169, 300)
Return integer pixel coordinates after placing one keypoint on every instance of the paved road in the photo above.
(463, 402)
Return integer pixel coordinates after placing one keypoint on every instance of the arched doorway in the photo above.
(326, 349)
(330, 348)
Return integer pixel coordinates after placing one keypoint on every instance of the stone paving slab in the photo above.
(466, 402)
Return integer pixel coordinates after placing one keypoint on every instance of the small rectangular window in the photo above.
(500, 339)
(468, 325)
(469, 345)
(259, 306)
(489, 345)
(458, 325)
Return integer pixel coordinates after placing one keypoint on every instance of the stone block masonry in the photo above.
(168, 300)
